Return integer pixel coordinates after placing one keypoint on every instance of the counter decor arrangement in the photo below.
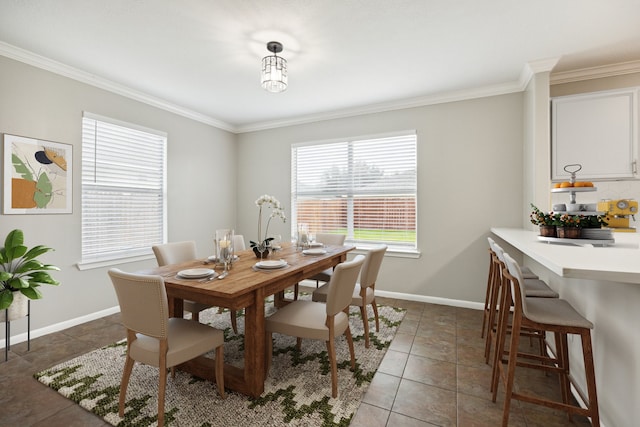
(569, 226)
(546, 221)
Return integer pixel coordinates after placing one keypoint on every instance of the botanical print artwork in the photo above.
(37, 176)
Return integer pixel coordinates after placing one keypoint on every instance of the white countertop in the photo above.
(618, 263)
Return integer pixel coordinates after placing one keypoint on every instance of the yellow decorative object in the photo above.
(618, 213)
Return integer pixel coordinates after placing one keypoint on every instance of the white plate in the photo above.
(316, 244)
(195, 273)
(314, 252)
(271, 264)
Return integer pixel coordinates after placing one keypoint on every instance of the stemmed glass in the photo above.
(262, 247)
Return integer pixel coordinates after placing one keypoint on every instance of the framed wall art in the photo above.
(37, 176)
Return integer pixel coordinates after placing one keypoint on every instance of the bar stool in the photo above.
(491, 283)
(550, 315)
(534, 287)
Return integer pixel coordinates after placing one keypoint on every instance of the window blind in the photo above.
(364, 188)
(123, 189)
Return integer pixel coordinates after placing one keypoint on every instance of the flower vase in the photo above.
(548, 230)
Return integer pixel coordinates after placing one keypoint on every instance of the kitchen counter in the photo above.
(619, 262)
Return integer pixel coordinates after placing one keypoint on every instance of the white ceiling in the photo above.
(344, 56)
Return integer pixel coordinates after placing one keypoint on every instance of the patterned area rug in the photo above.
(297, 390)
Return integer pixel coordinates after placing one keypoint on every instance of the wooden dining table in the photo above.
(245, 287)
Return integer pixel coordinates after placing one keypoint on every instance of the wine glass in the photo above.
(261, 247)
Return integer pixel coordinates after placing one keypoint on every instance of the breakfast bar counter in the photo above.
(619, 262)
(602, 284)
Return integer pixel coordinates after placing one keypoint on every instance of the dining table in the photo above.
(245, 287)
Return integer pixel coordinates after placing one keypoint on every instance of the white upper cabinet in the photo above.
(596, 130)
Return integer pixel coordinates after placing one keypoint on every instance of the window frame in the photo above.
(412, 250)
(154, 189)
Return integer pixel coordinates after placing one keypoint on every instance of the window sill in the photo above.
(391, 252)
(89, 265)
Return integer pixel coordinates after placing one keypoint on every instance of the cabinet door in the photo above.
(596, 130)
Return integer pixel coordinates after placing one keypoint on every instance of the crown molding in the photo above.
(595, 72)
(47, 64)
(463, 95)
(534, 67)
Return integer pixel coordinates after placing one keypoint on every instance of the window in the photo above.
(363, 188)
(123, 189)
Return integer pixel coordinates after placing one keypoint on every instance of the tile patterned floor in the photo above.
(433, 375)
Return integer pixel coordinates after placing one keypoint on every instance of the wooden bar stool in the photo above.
(534, 287)
(552, 315)
(491, 283)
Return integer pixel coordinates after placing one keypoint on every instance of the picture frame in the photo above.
(37, 176)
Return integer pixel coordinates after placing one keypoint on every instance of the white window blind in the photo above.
(363, 188)
(123, 189)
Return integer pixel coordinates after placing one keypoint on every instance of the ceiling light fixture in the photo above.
(274, 69)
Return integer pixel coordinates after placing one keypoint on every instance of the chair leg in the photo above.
(299, 343)
(374, 306)
(234, 321)
(126, 374)
(511, 369)
(365, 323)
(161, 391)
(195, 316)
(220, 370)
(562, 350)
(334, 367)
(295, 292)
(352, 352)
(487, 297)
(590, 376)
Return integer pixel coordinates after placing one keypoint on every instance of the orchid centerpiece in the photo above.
(277, 211)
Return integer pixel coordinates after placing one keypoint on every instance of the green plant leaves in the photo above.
(21, 168)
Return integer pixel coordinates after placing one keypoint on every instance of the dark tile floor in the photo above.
(433, 375)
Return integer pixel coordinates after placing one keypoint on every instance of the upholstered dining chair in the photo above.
(327, 239)
(175, 253)
(364, 291)
(314, 320)
(238, 243)
(157, 340)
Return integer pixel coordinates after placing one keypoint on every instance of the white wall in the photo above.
(469, 179)
(39, 104)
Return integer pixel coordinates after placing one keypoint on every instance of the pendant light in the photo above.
(274, 69)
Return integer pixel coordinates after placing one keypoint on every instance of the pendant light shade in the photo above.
(274, 69)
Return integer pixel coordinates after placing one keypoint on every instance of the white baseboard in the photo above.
(57, 327)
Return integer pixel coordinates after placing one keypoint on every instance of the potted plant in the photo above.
(21, 274)
(546, 221)
(261, 247)
(569, 226)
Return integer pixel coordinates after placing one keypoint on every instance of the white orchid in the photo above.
(277, 212)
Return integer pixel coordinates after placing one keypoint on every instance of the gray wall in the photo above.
(469, 179)
(469, 172)
(39, 104)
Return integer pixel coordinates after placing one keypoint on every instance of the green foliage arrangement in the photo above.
(21, 271)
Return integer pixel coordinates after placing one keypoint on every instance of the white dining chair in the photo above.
(364, 293)
(327, 239)
(319, 321)
(155, 339)
(176, 253)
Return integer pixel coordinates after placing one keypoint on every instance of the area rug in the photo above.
(297, 389)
